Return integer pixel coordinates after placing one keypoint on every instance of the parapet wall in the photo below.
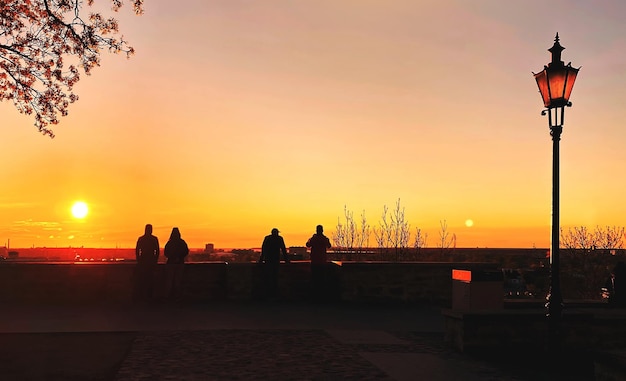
(95, 283)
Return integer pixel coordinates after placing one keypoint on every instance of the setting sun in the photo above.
(80, 209)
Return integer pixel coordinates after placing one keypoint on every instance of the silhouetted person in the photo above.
(271, 249)
(619, 285)
(176, 250)
(147, 254)
(318, 244)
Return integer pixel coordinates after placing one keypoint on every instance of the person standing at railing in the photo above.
(147, 254)
(176, 250)
(271, 249)
(319, 244)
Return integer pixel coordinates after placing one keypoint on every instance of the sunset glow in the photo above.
(239, 117)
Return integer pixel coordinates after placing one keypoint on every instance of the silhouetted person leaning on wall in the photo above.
(147, 254)
(176, 250)
(318, 244)
(271, 249)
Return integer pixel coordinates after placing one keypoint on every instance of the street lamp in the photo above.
(555, 82)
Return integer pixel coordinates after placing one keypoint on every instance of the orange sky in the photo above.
(235, 117)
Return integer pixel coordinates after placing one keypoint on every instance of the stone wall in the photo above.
(396, 282)
(65, 283)
(93, 282)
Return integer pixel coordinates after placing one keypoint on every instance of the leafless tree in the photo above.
(338, 236)
(446, 241)
(383, 232)
(421, 239)
(348, 235)
(609, 237)
(394, 232)
(580, 238)
(341, 235)
(363, 238)
(589, 253)
(401, 229)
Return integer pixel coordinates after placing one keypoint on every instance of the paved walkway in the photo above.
(233, 341)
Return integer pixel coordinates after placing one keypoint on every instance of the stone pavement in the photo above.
(234, 341)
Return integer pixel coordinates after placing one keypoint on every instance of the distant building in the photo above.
(297, 250)
(209, 248)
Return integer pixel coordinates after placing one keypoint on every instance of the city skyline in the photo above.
(239, 117)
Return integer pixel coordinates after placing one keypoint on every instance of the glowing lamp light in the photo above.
(556, 80)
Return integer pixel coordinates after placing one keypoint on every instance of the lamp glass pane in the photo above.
(556, 82)
(542, 83)
(571, 78)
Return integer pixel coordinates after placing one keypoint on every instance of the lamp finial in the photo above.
(556, 50)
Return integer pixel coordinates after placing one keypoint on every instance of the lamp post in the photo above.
(555, 82)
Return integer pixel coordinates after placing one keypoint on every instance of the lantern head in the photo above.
(556, 80)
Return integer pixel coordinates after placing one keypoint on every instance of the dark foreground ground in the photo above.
(245, 341)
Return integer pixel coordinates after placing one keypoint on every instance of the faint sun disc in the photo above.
(80, 209)
(469, 223)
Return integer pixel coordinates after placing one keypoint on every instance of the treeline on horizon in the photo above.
(393, 231)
